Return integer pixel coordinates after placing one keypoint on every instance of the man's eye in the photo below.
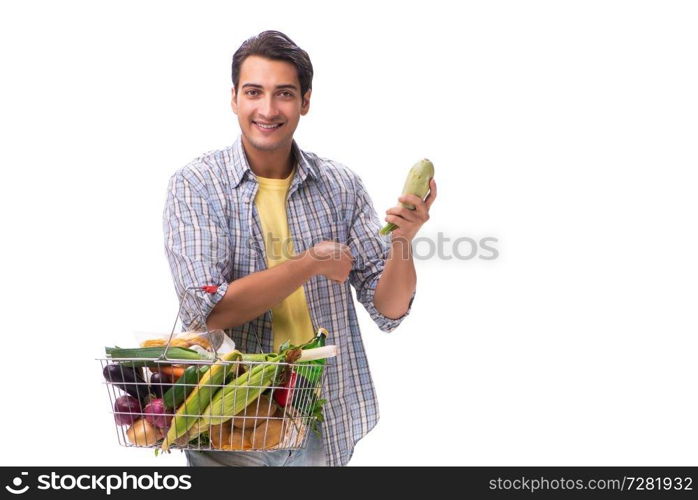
(286, 93)
(249, 92)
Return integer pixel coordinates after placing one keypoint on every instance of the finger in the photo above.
(405, 213)
(346, 251)
(432, 194)
(394, 219)
(399, 221)
(344, 255)
(420, 208)
(412, 199)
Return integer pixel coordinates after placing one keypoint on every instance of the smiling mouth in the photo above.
(268, 126)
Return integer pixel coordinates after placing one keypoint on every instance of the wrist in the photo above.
(401, 246)
(308, 264)
(399, 240)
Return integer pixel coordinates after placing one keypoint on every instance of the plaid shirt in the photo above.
(213, 236)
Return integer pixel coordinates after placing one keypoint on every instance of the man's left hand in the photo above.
(409, 221)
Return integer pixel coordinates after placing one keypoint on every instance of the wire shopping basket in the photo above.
(170, 396)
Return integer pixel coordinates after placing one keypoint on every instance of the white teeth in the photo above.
(268, 126)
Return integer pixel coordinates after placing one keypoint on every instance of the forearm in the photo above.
(398, 281)
(249, 297)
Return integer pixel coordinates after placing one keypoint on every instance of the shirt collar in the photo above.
(239, 167)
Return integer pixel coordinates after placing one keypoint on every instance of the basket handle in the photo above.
(193, 290)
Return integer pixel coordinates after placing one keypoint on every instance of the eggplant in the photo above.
(160, 384)
(128, 379)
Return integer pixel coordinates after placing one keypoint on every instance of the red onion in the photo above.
(156, 413)
(127, 410)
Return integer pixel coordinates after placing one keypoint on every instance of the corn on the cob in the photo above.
(190, 411)
(238, 394)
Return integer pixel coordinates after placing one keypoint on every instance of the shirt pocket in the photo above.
(334, 231)
(325, 224)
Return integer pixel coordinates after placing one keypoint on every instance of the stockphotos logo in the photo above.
(16, 487)
(102, 482)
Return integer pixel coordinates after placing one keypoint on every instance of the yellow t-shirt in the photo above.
(290, 318)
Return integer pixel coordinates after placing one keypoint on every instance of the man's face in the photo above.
(268, 102)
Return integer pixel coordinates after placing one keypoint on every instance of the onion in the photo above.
(127, 410)
(156, 414)
(141, 433)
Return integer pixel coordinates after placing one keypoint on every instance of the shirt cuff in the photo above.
(384, 323)
(192, 315)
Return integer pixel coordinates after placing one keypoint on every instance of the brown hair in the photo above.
(276, 46)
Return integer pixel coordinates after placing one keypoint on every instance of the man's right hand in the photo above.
(250, 296)
(332, 260)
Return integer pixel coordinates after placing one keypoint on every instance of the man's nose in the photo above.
(268, 108)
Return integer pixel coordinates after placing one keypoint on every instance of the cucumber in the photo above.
(417, 183)
(184, 385)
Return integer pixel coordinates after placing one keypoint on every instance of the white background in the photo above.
(567, 130)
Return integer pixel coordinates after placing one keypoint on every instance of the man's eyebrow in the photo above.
(258, 86)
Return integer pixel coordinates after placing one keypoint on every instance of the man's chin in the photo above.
(265, 145)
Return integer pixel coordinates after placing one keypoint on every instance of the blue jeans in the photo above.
(313, 454)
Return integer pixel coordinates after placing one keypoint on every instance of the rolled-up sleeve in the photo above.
(370, 250)
(197, 248)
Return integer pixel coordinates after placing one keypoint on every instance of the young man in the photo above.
(283, 233)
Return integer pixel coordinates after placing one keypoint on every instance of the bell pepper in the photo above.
(284, 394)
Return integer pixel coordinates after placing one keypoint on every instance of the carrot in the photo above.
(174, 372)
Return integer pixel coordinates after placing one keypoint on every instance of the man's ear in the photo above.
(305, 105)
(233, 102)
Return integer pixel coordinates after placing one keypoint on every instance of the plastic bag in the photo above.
(199, 341)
